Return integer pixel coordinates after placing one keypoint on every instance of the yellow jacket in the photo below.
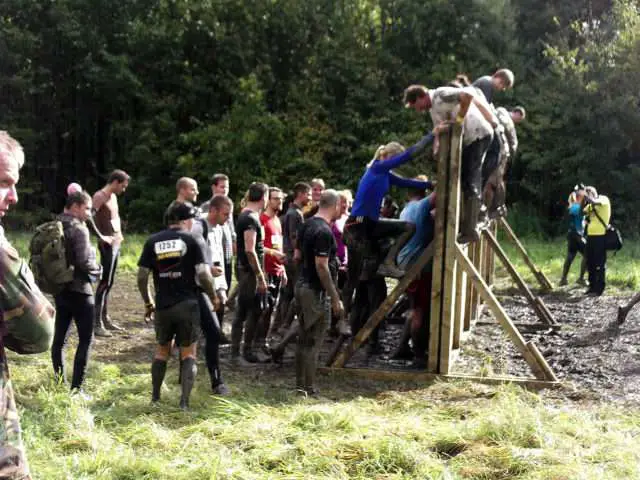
(603, 207)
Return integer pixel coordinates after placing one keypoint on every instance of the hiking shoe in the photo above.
(344, 328)
(79, 393)
(224, 340)
(563, 282)
(251, 357)
(220, 389)
(276, 354)
(109, 325)
(393, 271)
(240, 361)
(102, 332)
(581, 281)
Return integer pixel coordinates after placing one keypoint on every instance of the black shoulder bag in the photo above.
(612, 236)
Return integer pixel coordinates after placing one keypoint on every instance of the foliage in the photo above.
(281, 91)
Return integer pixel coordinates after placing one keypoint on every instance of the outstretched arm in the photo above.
(408, 182)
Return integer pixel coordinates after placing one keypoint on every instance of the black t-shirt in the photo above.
(172, 256)
(315, 239)
(485, 85)
(290, 225)
(249, 220)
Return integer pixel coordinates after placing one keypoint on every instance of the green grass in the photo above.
(358, 430)
(128, 261)
(623, 268)
(443, 431)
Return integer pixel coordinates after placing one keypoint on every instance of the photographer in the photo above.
(597, 210)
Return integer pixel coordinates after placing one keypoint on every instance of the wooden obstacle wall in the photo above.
(461, 283)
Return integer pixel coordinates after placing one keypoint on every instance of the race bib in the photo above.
(170, 249)
(276, 242)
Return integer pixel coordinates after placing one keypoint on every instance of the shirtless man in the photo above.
(107, 221)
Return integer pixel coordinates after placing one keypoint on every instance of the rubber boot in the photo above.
(469, 221)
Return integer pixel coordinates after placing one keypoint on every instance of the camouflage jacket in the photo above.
(26, 326)
(509, 129)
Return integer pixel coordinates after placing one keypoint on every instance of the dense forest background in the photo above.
(286, 90)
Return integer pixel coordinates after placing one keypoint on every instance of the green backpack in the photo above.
(48, 258)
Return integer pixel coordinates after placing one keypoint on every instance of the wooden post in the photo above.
(442, 192)
(449, 284)
(519, 281)
(469, 292)
(379, 314)
(460, 305)
(540, 277)
(538, 365)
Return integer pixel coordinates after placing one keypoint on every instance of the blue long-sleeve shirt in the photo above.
(377, 179)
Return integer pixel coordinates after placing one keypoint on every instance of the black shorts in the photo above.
(576, 242)
(181, 321)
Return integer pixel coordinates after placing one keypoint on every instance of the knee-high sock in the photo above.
(189, 370)
(158, 370)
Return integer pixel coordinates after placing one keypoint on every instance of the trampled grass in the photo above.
(357, 431)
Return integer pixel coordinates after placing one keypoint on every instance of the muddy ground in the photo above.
(594, 358)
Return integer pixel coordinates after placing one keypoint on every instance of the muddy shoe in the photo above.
(220, 389)
(344, 328)
(393, 271)
(563, 282)
(109, 325)
(276, 354)
(224, 340)
(263, 357)
(402, 353)
(581, 281)
(622, 315)
(102, 332)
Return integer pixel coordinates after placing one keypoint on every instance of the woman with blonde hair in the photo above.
(576, 241)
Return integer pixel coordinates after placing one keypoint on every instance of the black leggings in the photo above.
(471, 168)
(363, 237)
(211, 330)
(79, 307)
(109, 260)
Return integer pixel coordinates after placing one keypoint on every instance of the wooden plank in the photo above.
(546, 312)
(540, 277)
(542, 362)
(442, 193)
(492, 242)
(468, 307)
(460, 304)
(449, 284)
(379, 314)
(493, 228)
(492, 303)
(420, 377)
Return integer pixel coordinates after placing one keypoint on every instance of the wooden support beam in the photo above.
(468, 307)
(424, 377)
(519, 281)
(460, 306)
(540, 370)
(449, 284)
(442, 193)
(544, 282)
(379, 314)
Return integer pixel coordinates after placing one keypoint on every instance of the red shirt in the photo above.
(273, 240)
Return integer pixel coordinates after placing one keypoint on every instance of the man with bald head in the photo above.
(316, 291)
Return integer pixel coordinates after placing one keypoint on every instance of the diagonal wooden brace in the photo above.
(381, 312)
(531, 355)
